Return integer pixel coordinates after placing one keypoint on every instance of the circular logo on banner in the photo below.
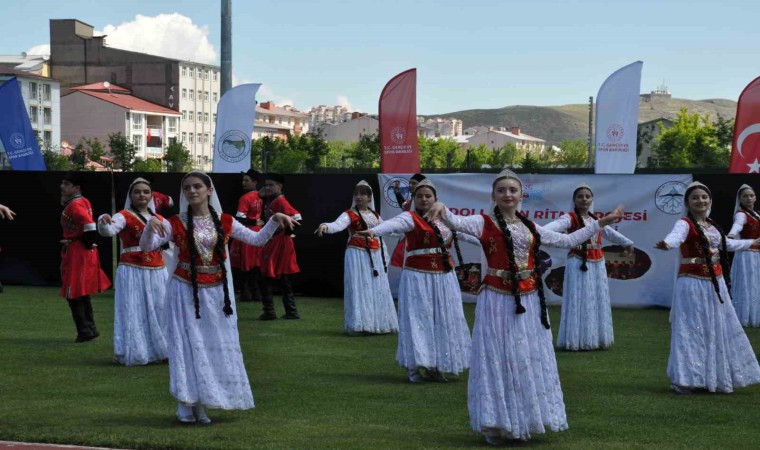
(17, 141)
(398, 135)
(234, 146)
(615, 132)
(390, 196)
(669, 197)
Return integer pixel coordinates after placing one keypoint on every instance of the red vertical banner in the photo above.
(399, 150)
(745, 153)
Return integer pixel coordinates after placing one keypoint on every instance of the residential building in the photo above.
(646, 136)
(99, 109)
(500, 137)
(279, 121)
(438, 127)
(35, 64)
(352, 130)
(191, 89)
(328, 114)
(42, 97)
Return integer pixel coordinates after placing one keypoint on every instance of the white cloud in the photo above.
(343, 101)
(266, 94)
(42, 49)
(170, 35)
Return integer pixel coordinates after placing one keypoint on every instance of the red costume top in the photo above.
(161, 201)
(243, 256)
(499, 274)
(594, 250)
(423, 250)
(80, 266)
(208, 272)
(131, 254)
(279, 256)
(355, 226)
(751, 229)
(397, 258)
(693, 261)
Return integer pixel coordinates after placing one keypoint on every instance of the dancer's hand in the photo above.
(285, 221)
(369, 233)
(661, 245)
(105, 219)
(612, 217)
(157, 227)
(260, 223)
(321, 230)
(756, 242)
(436, 211)
(628, 251)
(6, 213)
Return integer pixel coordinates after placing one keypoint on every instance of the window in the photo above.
(214, 117)
(190, 138)
(184, 137)
(205, 96)
(190, 116)
(191, 72)
(47, 114)
(200, 116)
(205, 74)
(192, 94)
(215, 96)
(32, 90)
(47, 92)
(205, 117)
(137, 141)
(33, 112)
(184, 71)
(205, 138)
(184, 114)
(216, 75)
(200, 138)
(184, 93)
(137, 121)
(172, 124)
(47, 139)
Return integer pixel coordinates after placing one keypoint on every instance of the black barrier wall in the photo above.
(30, 244)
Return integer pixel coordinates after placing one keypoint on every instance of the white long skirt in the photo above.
(138, 328)
(205, 362)
(745, 287)
(708, 347)
(433, 332)
(586, 321)
(367, 302)
(514, 387)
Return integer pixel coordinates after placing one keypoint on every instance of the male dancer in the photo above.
(279, 257)
(246, 259)
(81, 274)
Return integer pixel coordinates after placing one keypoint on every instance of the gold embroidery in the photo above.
(492, 248)
(426, 239)
(433, 264)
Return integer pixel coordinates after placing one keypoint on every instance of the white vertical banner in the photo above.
(617, 118)
(234, 127)
(653, 203)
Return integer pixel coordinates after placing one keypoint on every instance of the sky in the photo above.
(475, 54)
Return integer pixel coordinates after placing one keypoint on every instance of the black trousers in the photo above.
(288, 299)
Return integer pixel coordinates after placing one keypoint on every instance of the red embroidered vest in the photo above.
(751, 230)
(594, 250)
(499, 274)
(208, 273)
(693, 262)
(423, 251)
(130, 244)
(359, 241)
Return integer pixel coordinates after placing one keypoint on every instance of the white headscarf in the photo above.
(738, 205)
(128, 203)
(371, 196)
(695, 184)
(506, 173)
(575, 191)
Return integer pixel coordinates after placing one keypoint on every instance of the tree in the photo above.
(150, 165)
(506, 156)
(366, 153)
(123, 151)
(530, 162)
(177, 158)
(316, 150)
(480, 156)
(55, 161)
(693, 141)
(573, 153)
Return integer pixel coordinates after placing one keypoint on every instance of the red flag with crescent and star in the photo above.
(745, 153)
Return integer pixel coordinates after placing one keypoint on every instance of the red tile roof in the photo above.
(123, 97)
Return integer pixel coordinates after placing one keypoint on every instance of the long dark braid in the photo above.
(507, 235)
(584, 246)
(367, 244)
(442, 244)
(219, 250)
(455, 239)
(536, 270)
(723, 251)
(193, 270)
(382, 244)
(705, 245)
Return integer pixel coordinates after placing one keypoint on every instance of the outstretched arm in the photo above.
(156, 234)
(255, 238)
(6, 213)
(675, 238)
(400, 224)
(109, 226)
(340, 224)
(740, 219)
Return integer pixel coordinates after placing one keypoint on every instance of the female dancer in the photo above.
(433, 333)
(368, 303)
(205, 362)
(138, 336)
(514, 387)
(397, 257)
(745, 270)
(586, 321)
(708, 347)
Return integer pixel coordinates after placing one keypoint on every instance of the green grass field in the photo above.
(316, 388)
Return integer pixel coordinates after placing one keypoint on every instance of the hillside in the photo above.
(555, 123)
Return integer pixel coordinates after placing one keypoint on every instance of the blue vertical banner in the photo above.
(16, 132)
(234, 128)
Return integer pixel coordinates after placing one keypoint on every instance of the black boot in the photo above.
(267, 301)
(80, 321)
(89, 316)
(254, 284)
(245, 290)
(288, 299)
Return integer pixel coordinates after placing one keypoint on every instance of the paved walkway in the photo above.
(29, 446)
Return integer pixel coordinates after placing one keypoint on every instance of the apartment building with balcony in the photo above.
(279, 121)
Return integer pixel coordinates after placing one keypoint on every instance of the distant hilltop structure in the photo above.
(660, 93)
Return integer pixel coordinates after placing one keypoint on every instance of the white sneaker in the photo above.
(200, 415)
(185, 413)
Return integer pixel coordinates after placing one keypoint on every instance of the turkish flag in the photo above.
(745, 152)
(399, 149)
